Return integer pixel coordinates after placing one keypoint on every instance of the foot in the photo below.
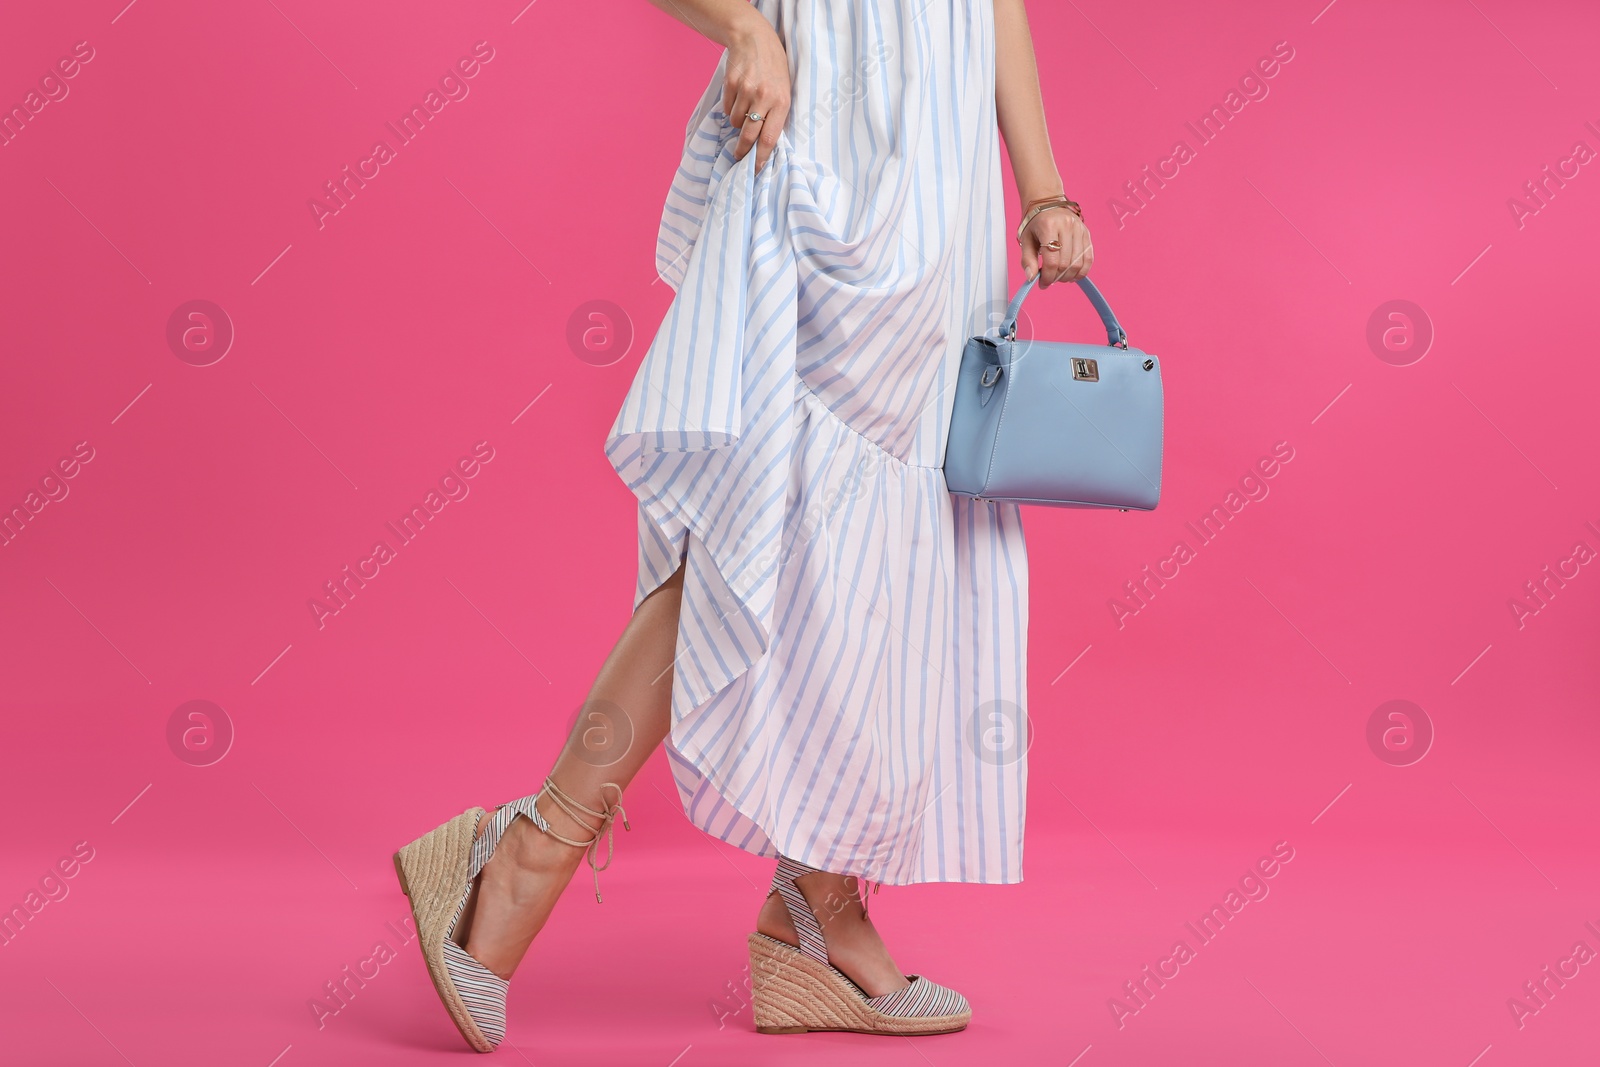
(853, 943)
(516, 892)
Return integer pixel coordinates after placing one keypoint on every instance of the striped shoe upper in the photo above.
(484, 844)
(478, 993)
(481, 990)
(800, 913)
(921, 999)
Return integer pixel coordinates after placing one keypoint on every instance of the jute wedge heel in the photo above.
(796, 989)
(432, 871)
(438, 871)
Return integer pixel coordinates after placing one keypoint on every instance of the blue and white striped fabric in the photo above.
(852, 636)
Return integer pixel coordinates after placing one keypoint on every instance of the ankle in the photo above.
(562, 821)
(774, 921)
(832, 898)
(530, 850)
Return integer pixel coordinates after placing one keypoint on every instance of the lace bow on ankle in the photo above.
(575, 809)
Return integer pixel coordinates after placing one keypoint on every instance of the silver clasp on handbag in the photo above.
(991, 374)
(1085, 370)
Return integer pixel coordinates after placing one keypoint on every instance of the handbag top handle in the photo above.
(1115, 335)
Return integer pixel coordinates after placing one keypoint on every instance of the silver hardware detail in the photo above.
(1085, 370)
(991, 374)
(1149, 364)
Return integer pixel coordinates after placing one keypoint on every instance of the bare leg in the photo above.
(628, 713)
(853, 943)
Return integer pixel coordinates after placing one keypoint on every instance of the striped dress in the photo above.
(851, 660)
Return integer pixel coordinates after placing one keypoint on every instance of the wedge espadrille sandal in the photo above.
(797, 989)
(439, 870)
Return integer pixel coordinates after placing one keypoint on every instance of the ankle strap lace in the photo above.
(575, 810)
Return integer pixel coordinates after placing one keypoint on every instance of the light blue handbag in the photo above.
(1064, 425)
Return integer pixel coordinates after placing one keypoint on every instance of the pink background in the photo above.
(1228, 714)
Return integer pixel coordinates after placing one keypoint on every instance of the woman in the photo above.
(822, 633)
